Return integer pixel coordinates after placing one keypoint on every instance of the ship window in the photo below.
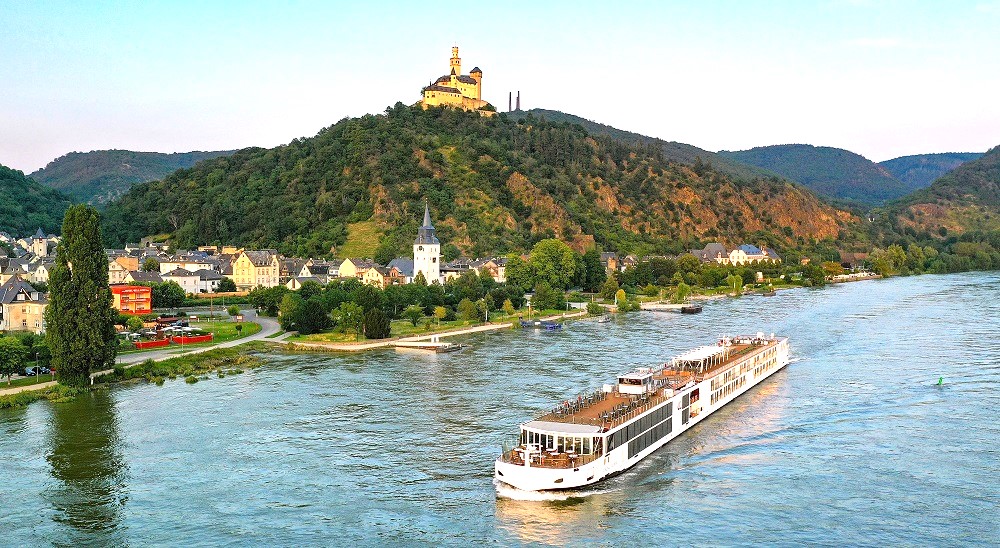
(586, 446)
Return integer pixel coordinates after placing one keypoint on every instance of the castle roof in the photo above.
(435, 87)
(475, 70)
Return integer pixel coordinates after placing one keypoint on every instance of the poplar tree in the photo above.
(80, 322)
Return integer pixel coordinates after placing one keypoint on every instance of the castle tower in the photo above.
(427, 249)
(456, 61)
(477, 75)
(39, 244)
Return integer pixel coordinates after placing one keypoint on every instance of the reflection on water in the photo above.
(558, 518)
(85, 456)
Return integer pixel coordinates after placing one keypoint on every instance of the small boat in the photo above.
(691, 309)
(551, 326)
(604, 319)
(768, 293)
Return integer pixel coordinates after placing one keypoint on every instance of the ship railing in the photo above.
(548, 459)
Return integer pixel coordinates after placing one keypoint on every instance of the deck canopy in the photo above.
(701, 357)
(562, 427)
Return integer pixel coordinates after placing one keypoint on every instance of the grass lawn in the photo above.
(27, 380)
(362, 240)
(223, 331)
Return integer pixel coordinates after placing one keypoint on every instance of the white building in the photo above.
(189, 281)
(427, 251)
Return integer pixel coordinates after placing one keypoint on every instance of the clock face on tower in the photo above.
(420, 248)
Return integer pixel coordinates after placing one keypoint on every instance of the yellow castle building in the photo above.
(458, 90)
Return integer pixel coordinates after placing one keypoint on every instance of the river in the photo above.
(852, 443)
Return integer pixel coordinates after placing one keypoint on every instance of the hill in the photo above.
(103, 175)
(26, 206)
(963, 200)
(672, 150)
(920, 170)
(495, 185)
(831, 172)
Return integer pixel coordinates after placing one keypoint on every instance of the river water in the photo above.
(851, 444)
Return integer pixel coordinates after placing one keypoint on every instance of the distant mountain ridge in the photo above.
(672, 150)
(920, 170)
(26, 206)
(101, 176)
(828, 171)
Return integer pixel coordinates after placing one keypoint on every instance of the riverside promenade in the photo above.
(384, 343)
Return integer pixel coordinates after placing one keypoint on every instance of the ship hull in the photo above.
(616, 461)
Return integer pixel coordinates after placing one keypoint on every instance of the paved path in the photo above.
(26, 388)
(382, 343)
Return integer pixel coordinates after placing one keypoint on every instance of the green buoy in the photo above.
(940, 381)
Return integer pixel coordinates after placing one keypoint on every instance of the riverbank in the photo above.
(384, 343)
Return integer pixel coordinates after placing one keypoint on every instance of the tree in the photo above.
(226, 285)
(736, 283)
(289, 311)
(80, 320)
(467, 310)
(548, 298)
(134, 323)
(233, 310)
(832, 268)
(440, 313)
(609, 289)
(267, 299)
(620, 297)
(151, 265)
(350, 316)
(313, 317)
(377, 324)
(12, 357)
(520, 273)
(167, 294)
(594, 272)
(681, 294)
(420, 279)
(594, 309)
(310, 289)
(414, 313)
(553, 262)
(508, 307)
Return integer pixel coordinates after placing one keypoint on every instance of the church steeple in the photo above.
(425, 234)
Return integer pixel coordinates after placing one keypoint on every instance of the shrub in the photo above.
(377, 324)
(191, 379)
(595, 309)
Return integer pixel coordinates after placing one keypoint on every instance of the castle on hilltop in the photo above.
(458, 90)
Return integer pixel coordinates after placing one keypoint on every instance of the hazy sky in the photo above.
(883, 79)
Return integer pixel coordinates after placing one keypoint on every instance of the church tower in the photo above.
(427, 248)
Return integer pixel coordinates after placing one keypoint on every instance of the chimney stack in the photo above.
(510, 100)
(518, 101)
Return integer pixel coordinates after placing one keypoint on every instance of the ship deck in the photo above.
(597, 412)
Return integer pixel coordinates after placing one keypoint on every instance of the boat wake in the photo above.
(513, 493)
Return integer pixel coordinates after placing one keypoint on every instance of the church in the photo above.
(458, 90)
(427, 251)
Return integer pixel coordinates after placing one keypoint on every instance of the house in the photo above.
(453, 270)
(256, 269)
(134, 300)
(630, 261)
(713, 252)
(120, 266)
(489, 267)
(185, 278)
(355, 268)
(289, 268)
(190, 263)
(208, 280)
(22, 307)
(295, 283)
(610, 262)
(38, 271)
(140, 277)
(405, 267)
(382, 277)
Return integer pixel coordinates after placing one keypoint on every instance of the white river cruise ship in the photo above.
(602, 434)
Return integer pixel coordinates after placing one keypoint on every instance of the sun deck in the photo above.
(609, 409)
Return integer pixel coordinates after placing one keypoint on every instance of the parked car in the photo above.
(37, 370)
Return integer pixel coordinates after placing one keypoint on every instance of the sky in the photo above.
(883, 79)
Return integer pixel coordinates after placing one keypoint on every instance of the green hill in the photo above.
(102, 175)
(831, 172)
(26, 205)
(963, 200)
(920, 170)
(494, 185)
(672, 150)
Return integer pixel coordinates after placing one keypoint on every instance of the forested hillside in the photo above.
(26, 206)
(920, 170)
(102, 175)
(831, 172)
(672, 150)
(963, 200)
(494, 185)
